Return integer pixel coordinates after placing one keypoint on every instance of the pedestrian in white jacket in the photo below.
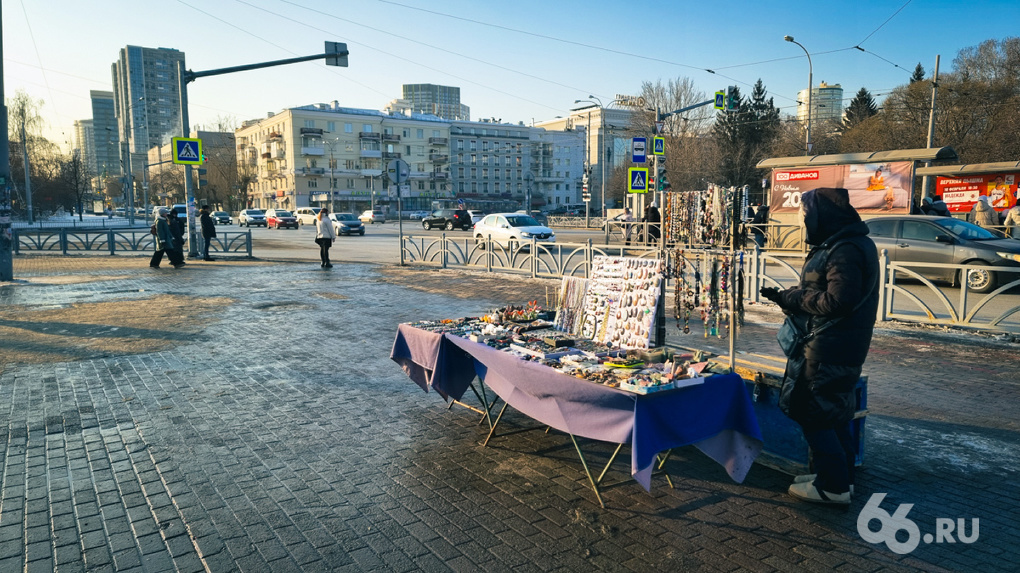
(982, 214)
(324, 235)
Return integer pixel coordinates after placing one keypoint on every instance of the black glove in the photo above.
(772, 293)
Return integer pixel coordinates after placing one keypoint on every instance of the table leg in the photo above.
(662, 462)
(609, 463)
(492, 430)
(584, 464)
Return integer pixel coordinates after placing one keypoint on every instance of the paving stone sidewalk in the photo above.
(283, 438)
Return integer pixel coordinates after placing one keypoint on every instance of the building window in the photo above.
(407, 150)
(421, 134)
(474, 145)
(485, 173)
(309, 123)
(350, 184)
(331, 126)
(474, 172)
(348, 128)
(435, 133)
(460, 145)
(485, 160)
(313, 183)
(460, 187)
(474, 160)
(496, 187)
(367, 127)
(349, 164)
(474, 187)
(407, 132)
(460, 172)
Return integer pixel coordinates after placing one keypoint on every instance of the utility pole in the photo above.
(6, 234)
(28, 177)
(926, 182)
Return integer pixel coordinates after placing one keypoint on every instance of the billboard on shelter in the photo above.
(873, 187)
(960, 193)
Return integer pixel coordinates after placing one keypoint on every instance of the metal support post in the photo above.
(189, 191)
(926, 180)
(6, 231)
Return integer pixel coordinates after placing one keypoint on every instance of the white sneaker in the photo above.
(807, 491)
(811, 477)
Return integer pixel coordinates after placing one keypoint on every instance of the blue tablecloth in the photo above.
(717, 417)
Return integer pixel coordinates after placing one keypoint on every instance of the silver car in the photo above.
(250, 217)
(945, 240)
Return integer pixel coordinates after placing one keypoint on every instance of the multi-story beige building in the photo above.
(326, 153)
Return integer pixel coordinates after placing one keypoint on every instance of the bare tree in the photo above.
(689, 154)
(77, 177)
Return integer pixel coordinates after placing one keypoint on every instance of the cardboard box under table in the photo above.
(717, 416)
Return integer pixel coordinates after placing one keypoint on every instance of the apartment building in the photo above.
(826, 104)
(215, 182)
(105, 135)
(321, 153)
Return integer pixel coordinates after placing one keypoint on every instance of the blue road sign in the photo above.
(720, 100)
(658, 146)
(187, 151)
(637, 180)
(638, 149)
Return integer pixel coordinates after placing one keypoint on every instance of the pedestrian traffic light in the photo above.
(660, 177)
(732, 99)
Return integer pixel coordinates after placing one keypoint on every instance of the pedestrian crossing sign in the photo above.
(187, 151)
(659, 146)
(637, 180)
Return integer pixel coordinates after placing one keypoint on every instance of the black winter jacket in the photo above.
(825, 293)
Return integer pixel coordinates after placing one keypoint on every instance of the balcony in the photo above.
(311, 131)
(390, 155)
(371, 153)
(439, 141)
(369, 135)
(438, 157)
(267, 155)
(390, 137)
(313, 151)
(439, 175)
(275, 136)
(312, 171)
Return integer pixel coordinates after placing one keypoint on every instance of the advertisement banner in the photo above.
(960, 193)
(873, 187)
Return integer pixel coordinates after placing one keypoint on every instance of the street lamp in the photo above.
(810, 83)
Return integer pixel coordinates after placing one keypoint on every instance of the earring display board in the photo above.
(570, 304)
(620, 301)
(702, 218)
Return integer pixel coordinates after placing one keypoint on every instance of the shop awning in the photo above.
(970, 169)
(926, 154)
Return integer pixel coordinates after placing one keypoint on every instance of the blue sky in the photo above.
(516, 61)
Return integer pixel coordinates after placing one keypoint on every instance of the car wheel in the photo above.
(980, 281)
(513, 244)
(449, 225)
(426, 225)
(362, 233)
(480, 242)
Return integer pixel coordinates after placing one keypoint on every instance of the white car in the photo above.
(513, 230)
(476, 216)
(306, 215)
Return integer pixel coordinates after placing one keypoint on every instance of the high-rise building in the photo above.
(105, 153)
(84, 142)
(440, 101)
(826, 104)
(147, 99)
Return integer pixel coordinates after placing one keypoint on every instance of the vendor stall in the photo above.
(595, 377)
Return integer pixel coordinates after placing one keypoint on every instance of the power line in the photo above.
(883, 24)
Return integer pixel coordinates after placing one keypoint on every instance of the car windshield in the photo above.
(255, 212)
(221, 214)
(966, 230)
(521, 221)
(346, 217)
(283, 214)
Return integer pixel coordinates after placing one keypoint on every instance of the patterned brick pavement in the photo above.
(282, 438)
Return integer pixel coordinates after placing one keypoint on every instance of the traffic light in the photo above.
(660, 177)
(732, 99)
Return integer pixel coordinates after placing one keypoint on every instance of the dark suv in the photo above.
(448, 219)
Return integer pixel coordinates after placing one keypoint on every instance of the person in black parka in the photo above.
(177, 230)
(839, 284)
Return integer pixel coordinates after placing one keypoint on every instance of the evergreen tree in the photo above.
(918, 74)
(861, 108)
(743, 137)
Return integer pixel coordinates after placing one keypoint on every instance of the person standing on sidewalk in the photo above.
(836, 301)
(208, 232)
(177, 230)
(164, 242)
(324, 236)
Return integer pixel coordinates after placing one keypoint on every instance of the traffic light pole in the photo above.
(335, 55)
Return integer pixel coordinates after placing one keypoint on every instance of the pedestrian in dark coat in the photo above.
(177, 230)
(839, 285)
(758, 225)
(164, 242)
(208, 232)
(652, 220)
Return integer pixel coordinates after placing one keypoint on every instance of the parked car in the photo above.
(476, 216)
(418, 215)
(249, 217)
(448, 219)
(945, 240)
(220, 217)
(512, 230)
(280, 219)
(119, 211)
(306, 215)
(181, 208)
(347, 224)
(370, 216)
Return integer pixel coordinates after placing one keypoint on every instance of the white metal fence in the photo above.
(111, 241)
(905, 296)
